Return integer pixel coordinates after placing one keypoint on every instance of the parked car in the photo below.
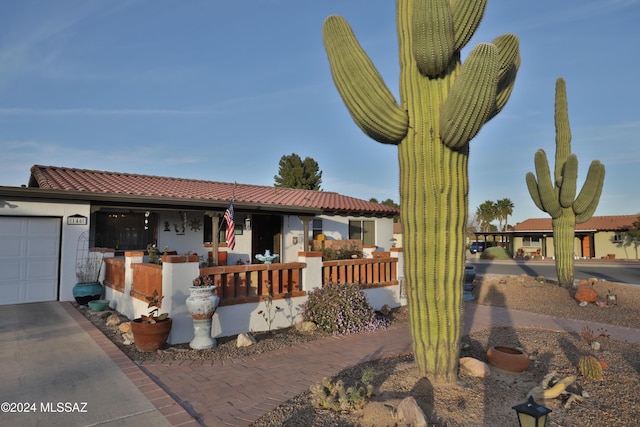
(480, 246)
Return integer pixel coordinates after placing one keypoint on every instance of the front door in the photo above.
(266, 232)
(586, 246)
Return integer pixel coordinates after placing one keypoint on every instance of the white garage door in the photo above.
(29, 252)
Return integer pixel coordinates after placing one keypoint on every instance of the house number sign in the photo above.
(77, 220)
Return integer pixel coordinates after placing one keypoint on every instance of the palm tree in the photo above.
(486, 213)
(504, 208)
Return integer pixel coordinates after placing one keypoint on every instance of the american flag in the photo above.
(231, 227)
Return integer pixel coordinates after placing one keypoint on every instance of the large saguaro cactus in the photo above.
(557, 198)
(443, 105)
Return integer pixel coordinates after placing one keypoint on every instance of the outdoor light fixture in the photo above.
(531, 414)
(247, 223)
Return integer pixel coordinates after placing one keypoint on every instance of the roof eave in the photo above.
(165, 202)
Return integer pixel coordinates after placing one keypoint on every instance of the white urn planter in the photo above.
(202, 304)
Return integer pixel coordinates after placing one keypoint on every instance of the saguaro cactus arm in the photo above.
(370, 103)
(433, 35)
(544, 190)
(466, 16)
(509, 55)
(472, 97)
(569, 179)
(589, 197)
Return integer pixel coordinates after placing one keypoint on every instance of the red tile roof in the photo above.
(92, 181)
(600, 223)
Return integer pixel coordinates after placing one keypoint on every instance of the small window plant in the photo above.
(155, 257)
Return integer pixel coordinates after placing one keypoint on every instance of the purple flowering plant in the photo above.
(342, 309)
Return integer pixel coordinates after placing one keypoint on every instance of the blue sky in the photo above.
(221, 90)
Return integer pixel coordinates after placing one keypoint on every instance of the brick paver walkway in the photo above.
(237, 392)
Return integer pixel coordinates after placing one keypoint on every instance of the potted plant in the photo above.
(150, 332)
(88, 267)
(202, 304)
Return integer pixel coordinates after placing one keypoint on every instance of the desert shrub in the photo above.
(338, 397)
(344, 252)
(341, 309)
(495, 252)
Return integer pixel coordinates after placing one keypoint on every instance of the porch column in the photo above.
(305, 227)
(215, 232)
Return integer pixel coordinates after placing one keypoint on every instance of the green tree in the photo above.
(486, 213)
(294, 172)
(504, 208)
(390, 203)
(557, 197)
(443, 104)
(632, 235)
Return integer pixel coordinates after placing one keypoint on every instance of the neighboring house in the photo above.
(599, 237)
(40, 224)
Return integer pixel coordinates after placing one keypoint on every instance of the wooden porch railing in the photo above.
(114, 273)
(240, 284)
(367, 272)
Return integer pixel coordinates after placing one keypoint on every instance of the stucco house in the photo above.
(40, 223)
(599, 237)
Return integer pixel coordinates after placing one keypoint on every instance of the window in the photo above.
(222, 229)
(316, 227)
(531, 241)
(125, 231)
(617, 238)
(363, 230)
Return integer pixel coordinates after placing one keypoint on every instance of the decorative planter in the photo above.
(150, 337)
(99, 304)
(202, 304)
(85, 292)
(508, 358)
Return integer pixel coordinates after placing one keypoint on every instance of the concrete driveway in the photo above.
(55, 374)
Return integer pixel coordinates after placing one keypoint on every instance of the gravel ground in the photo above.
(611, 401)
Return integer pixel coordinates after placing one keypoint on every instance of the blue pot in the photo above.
(85, 292)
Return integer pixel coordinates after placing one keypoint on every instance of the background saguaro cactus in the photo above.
(443, 105)
(557, 198)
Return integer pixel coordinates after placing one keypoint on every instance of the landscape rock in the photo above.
(113, 320)
(474, 367)
(127, 338)
(245, 340)
(306, 327)
(410, 413)
(586, 294)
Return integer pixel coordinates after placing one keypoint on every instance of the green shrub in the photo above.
(341, 309)
(495, 252)
(344, 252)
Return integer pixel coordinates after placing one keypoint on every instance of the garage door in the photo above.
(29, 252)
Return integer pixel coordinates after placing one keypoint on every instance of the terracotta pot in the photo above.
(508, 358)
(150, 336)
